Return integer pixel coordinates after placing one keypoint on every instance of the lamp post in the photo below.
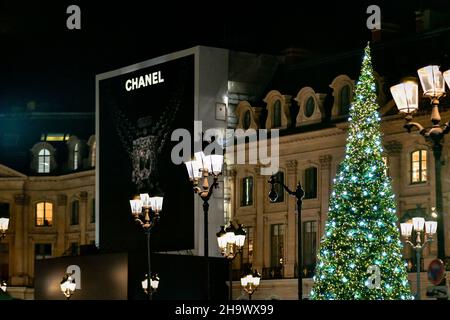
(154, 284)
(3, 285)
(202, 167)
(4, 223)
(250, 282)
(418, 224)
(68, 285)
(231, 241)
(145, 211)
(298, 193)
(406, 98)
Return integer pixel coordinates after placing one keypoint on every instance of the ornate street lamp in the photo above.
(231, 241)
(418, 225)
(145, 211)
(406, 98)
(4, 223)
(203, 167)
(298, 194)
(250, 282)
(3, 285)
(68, 286)
(154, 284)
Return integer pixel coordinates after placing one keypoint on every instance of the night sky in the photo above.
(43, 61)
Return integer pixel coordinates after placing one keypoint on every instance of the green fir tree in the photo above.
(360, 255)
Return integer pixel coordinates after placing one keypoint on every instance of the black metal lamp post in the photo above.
(406, 98)
(145, 211)
(299, 194)
(418, 225)
(202, 168)
(231, 241)
(154, 284)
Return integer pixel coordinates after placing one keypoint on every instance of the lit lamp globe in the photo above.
(154, 283)
(3, 286)
(432, 81)
(4, 223)
(68, 286)
(406, 96)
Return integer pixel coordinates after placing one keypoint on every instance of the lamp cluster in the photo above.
(3, 286)
(418, 225)
(4, 223)
(250, 282)
(204, 166)
(68, 286)
(432, 80)
(231, 240)
(154, 283)
(146, 210)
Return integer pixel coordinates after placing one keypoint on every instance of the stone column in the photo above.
(18, 274)
(60, 214)
(83, 214)
(324, 191)
(291, 227)
(260, 200)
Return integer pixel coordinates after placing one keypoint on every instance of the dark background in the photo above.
(42, 60)
(116, 187)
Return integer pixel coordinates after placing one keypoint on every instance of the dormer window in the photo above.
(44, 161)
(310, 106)
(276, 120)
(76, 156)
(344, 100)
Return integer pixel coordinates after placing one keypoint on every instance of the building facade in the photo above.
(51, 207)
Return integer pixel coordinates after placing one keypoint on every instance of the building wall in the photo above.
(325, 149)
(22, 193)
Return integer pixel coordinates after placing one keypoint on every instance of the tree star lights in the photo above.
(362, 212)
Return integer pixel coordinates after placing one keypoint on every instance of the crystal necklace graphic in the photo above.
(144, 141)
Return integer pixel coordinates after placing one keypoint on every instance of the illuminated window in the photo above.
(276, 116)
(94, 147)
(76, 152)
(75, 213)
(55, 137)
(419, 166)
(311, 183)
(44, 214)
(44, 161)
(247, 192)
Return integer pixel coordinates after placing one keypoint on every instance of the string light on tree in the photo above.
(362, 212)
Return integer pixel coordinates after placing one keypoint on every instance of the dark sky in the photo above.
(41, 60)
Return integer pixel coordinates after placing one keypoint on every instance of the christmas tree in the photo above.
(360, 255)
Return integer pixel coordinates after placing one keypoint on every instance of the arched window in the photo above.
(419, 166)
(44, 161)
(75, 213)
(76, 152)
(247, 120)
(276, 116)
(247, 191)
(93, 151)
(344, 101)
(44, 214)
(309, 107)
